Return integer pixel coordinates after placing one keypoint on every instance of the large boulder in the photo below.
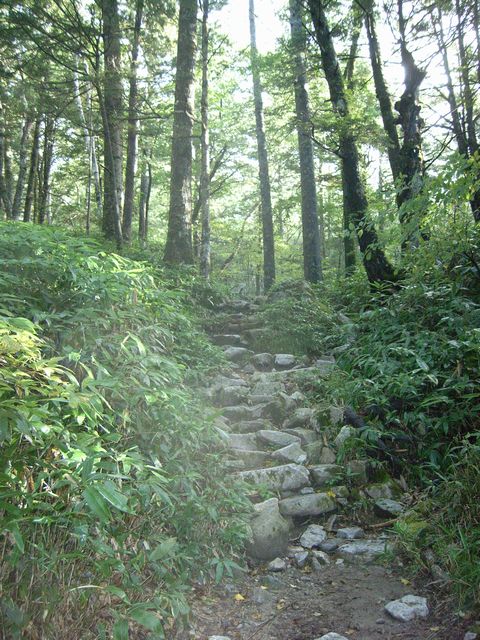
(269, 532)
(313, 504)
(276, 438)
(237, 354)
(303, 418)
(231, 396)
(286, 477)
(262, 361)
(245, 441)
(284, 361)
(291, 453)
(324, 474)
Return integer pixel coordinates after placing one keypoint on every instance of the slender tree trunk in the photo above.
(89, 141)
(178, 248)
(5, 204)
(264, 176)
(132, 128)
(375, 262)
(205, 152)
(8, 177)
(111, 106)
(352, 56)
(32, 171)
(22, 169)
(312, 259)
(143, 203)
(44, 191)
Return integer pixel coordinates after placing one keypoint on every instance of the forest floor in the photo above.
(344, 593)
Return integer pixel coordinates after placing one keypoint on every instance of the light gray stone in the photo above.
(343, 435)
(470, 635)
(251, 426)
(267, 386)
(245, 441)
(262, 361)
(388, 508)
(332, 636)
(324, 474)
(379, 490)
(321, 557)
(292, 401)
(227, 339)
(287, 477)
(363, 550)
(303, 417)
(218, 638)
(358, 470)
(301, 559)
(252, 458)
(336, 415)
(277, 565)
(314, 504)
(277, 438)
(324, 367)
(269, 531)
(262, 596)
(291, 453)
(223, 381)
(307, 436)
(408, 608)
(313, 536)
(351, 533)
(330, 545)
(285, 361)
(241, 412)
(237, 354)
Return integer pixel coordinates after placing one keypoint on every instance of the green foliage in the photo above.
(112, 493)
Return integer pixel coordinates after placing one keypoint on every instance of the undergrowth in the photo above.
(113, 495)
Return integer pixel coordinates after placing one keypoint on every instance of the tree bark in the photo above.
(32, 171)
(5, 203)
(111, 106)
(22, 169)
(376, 265)
(312, 259)
(89, 143)
(178, 248)
(263, 170)
(205, 151)
(132, 135)
(47, 160)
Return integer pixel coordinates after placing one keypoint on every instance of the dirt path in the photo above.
(336, 579)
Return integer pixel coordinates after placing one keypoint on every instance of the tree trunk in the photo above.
(5, 204)
(143, 205)
(178, 248)
(375, 262)
(264, 176)
(22, 169)
(89, 142)
(44, 190)
(111, 106)
(312, 259)
(32, 172)
(352, 56)
(205, 151)
(132, 128)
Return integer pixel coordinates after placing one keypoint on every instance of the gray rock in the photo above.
(301, 559)
(293, 401)
(314, 504)
(266, 386)
(363, 550)
(351, 533)
(285, 361)
(358, 470)
(344, 434)
(408, 608)
(245, 441)
(330, 545)
(387, 508)
(470, 635)
(305, 491)
(242, 412)
(324, 367)
(259, 399)
(277, 565)
(269, 531)
(237, 354)
(262, 596)
(287, 477)
(277, 438)
(321, 557)
(274, 410)
(379, 490)
(336, 415)
(303, 417)
(313, 536)
(252, 459)
(231, 396)
(251, 426)
(291, 453)
(262, 361)
(223, 381)
(327, 456)
(307, 436)
(249, 368)
(332, 636)
(227, 339)
(324, 474)
(341, 492)
(218, 638)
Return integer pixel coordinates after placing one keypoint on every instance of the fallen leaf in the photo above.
(404, 581)
(435, 628)
(238, 597)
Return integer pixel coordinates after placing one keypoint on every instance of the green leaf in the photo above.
(97, 504)
(145, 617)
(164, 550)
(17, 536)
(120, 630)
(110, 492)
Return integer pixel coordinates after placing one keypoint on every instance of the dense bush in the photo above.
(111, 491)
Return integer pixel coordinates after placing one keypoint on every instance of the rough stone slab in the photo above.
(284, 361)
(218, 638)
(287, 477)
(343, 435)
(291, 453)
(262, 361)
(362, 550)
(277, 438)
(303, 417)
(252, 426)
(332, 636)
(242, 412)
(300, 558)
(408, 608)
(245, 441)
(228, 339)
(351, 533)
(307, 436)
(313, 504)
(277, 565)
(330, 545)
(237, 354)
(223, 381)
(358, 469)
(252, 458)
(267, 387)
(313, 536)
(323, 474)
(380, 490)
(269, 532)
(231, 396)
(388, 508)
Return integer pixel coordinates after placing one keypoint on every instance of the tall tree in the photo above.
(312, 259)
(132, 127)
(178, 248)
(375, 262)
(263, 170)
(205, 150)
(32, 171)
(112, 116)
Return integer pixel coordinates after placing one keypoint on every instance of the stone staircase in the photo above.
(278, 446)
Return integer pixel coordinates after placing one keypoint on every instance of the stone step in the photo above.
(252, 459)
(311, 504)
(287, 477)
(227, 339)
(276, 438)
(251, 426)
(238, 355)
(307, 436)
